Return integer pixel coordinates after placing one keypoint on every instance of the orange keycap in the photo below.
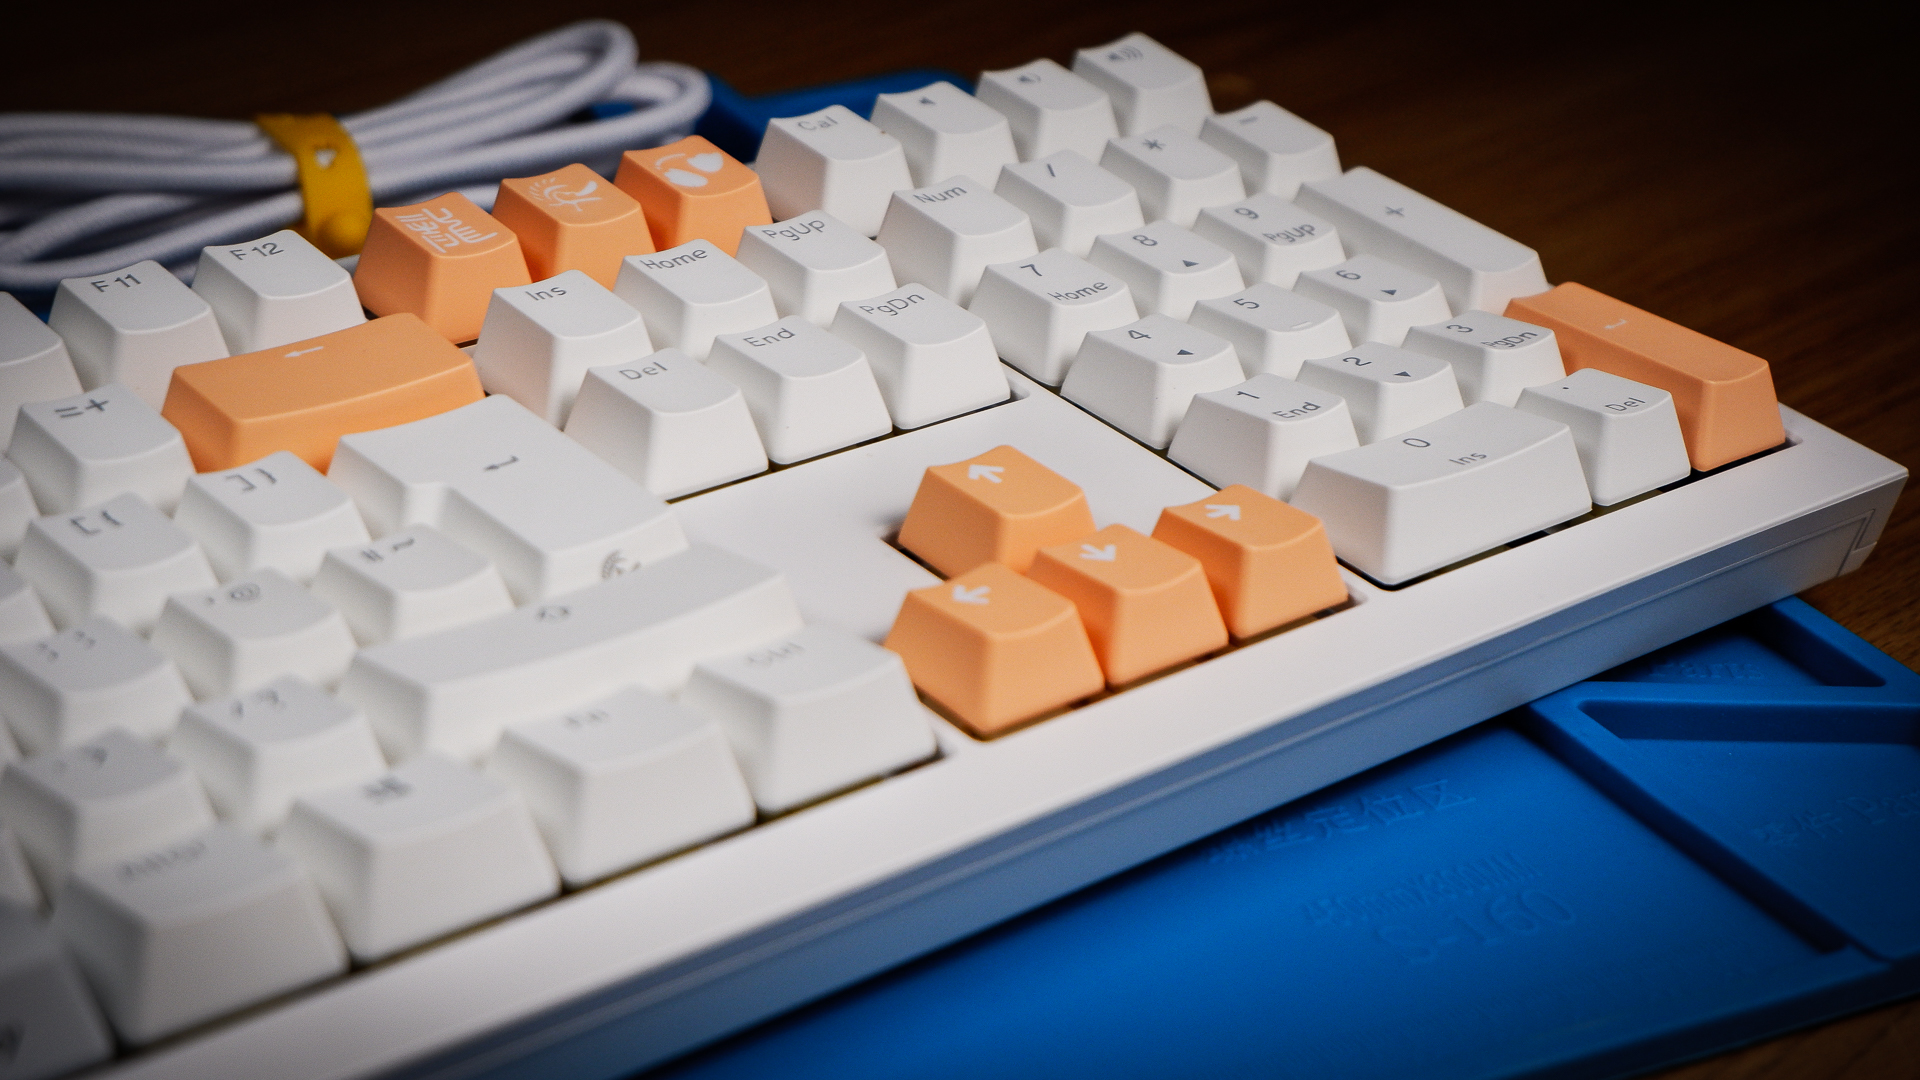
(1146, 604)
(572, 220)
(999, 507)
(1267, 562)
(302, 397)
(994, 648)
(440, 260)
(692, 190)
(1724, 396)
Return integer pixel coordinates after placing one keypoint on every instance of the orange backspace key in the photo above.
(571, 219)
(302, 397)
(692, 190)
(1724, 396)
(441, 260)
(999, 507)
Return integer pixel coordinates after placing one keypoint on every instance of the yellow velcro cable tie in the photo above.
(337, 202)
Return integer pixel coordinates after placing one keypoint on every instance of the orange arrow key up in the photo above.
(999, 507)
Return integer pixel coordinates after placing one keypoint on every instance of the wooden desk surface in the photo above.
(1747, 175)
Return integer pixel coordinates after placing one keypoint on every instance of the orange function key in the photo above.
(440, 260)
(1724, 395)
(692, 190)
(302, 397)
(994, 649)
(999, 507)
(1268, 563)
(572, 219)
(1146, 604)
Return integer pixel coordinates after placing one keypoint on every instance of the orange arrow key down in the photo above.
(1146, 604)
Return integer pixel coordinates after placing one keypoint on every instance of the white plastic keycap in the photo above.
(669, 422)
(626, 780)
(944, 235)
(1041, 309)
(1388, 389)
(1276, 150)
(1070, 200)
(1272, 238)
(77, 684)
(549, 513)
(813, 262)
(931, 358)
(1379, 300)
(133, 327)
(1427, 498)
(252, 630)
(53, 1024)
(1141, 377)
(1049, 109)
(277, 512)
(946, 132)
(121, 559)
(1493, 357)
(110, 798)
(22, 616)
(1261, 433)
(197, 928)
(1175, 173)
(1168, 268)
(539, 340)
(419, 852)
(1627, 432)
(832, 160)
(274, 291)
(416, 581)
(18, 889)
(1480, 269)
(1149, 83)
(813, 713)
(1272, 330)
(34, 365)
(809, 392)
(17, 509)
(454, 691)
(690, 294)
(92, 446)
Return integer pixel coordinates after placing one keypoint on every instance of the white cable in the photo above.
(163, 187)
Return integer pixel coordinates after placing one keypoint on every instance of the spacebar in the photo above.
(454, 691)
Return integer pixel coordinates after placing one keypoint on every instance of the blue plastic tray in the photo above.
(1712, 844)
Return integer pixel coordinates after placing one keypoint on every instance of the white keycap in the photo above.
(944, 235)
(669, 423)
(17, 887)
(103, 800)
(44, 1003)
(454, 691)
(813, 262)
(809, 392)
(1141, 377)
(1493, 357)
(1168, 268)
(1272, 330)
(626, 780)
(1175, 173)
(22, 616)
(1049, 109)
(1480, 269)
(80, 450)
(812, 713)
(1039, 310)
(1149, 83)
(1389, 390)
(74, 685)
(425, 850)
(197, 928)
(9, 750)
(274, 291)
(1470, 481)
(121, 558)
(1070, 200)
(1276, 150)
(946, 132)
(1378, 300)
(134, 326)
(277, 512)
(1261, 433)
(1627, 432)
(251, 631)
(539, 340)
(413, 582)
(33, 363)
(690, 294)
(17, 508)
(931, 358)
(1272, 238)
(832, 160)
(551, 515)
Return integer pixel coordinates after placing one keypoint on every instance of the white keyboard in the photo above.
(360, 724)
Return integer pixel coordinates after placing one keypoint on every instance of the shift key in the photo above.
(1724, 396)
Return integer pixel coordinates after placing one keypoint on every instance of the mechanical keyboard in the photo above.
(370, 710)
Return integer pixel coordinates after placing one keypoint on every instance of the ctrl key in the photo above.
(48, 1024)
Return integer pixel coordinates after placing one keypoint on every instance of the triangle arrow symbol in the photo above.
(975, 595)
(1391, 292)
(1184, 352)
(1188, 262)
(1402, 375)
(1110, 553)
(926, 101)
(985, 472)
(1230, 511)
